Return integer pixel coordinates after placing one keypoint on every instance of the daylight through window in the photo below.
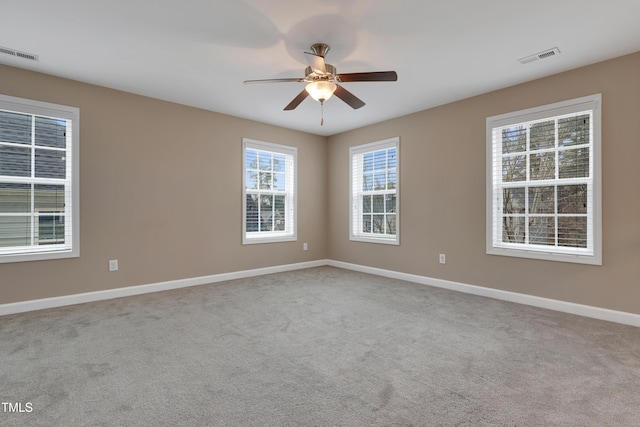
(543, 190)
(374, 192)
(38, 180)
(269, 192)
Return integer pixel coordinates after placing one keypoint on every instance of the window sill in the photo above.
(546, 256)
(385, 241)
(39, 256)
(268, 239)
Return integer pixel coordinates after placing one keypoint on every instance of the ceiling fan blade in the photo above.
(375, 76)
(275, 80)
(316, 62)
(352, 100)
(297, 100)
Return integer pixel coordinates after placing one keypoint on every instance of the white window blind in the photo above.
(374, 192)
(39, 209)
(269, 192)
(543, 182)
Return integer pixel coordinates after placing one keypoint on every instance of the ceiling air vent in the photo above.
(18, 54)
(541, 55)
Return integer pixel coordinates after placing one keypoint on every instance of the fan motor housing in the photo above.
(330, 75)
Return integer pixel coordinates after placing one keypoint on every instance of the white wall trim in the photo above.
(550, 304)
(44, 303)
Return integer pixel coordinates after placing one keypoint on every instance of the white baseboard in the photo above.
(551, 304)
(44, 303)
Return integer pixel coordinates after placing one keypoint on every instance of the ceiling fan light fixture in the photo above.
(321, 78)
(321, 90)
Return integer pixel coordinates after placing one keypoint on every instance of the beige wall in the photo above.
(442, 179)
(160, 190)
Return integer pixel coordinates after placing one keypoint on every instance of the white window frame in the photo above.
(592, 254)
(356, 156)
(290, 193)
(71, 247)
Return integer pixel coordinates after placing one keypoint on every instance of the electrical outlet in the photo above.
(305, 247)
(443, 259)
(113, 265)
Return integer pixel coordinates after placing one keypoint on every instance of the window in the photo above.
(39, 201)
(543, 182)
(269, 192)
(374, 192)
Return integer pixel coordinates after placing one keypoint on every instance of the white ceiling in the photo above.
(199, 52)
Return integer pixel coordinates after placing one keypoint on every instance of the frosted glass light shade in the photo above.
(321, 90)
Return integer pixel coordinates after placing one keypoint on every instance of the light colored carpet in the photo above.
(316, 347)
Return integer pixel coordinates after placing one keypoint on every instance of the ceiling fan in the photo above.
(322, 79)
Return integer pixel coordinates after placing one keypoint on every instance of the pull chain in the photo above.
(321, 113)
